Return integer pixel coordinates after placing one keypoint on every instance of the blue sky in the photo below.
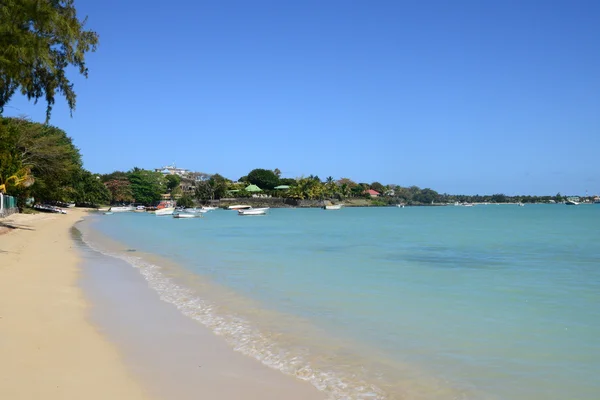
(460, 96)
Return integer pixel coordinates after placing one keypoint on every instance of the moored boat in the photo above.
(121, 209)
(165, 211)
(195, 210)
(333, 207)
(239, 207)
(253, 211)
(186, 215)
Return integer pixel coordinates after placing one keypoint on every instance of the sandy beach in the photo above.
(48, 348)
(56, 344)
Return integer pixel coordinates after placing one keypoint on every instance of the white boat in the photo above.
(121, 209)
(521, 205)
(140, 209)
(333, 207)
(400, 205)
(186, 215)
(239, 207)
(571, 202)
(195, 210)
(165, 211)
(206, 208)
(253, 211)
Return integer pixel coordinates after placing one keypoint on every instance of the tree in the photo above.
(214, 188)
(88, 189)
(378, 187)
(146, 186)
(172, 181)
(277, 172)
(263, 178)
(219, 186)
(185, 201)
(499, 198)
(120, 190)
(42, 157)
(39, 40)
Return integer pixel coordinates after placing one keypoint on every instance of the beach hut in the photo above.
(253, 189)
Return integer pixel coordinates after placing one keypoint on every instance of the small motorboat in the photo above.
(194, 210)
(239, 207)
(165, 211)
(186, 215)
(253, 211)
(333, 207)
(121, 209)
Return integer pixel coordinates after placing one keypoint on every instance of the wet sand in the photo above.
(48, 348)
(115, 338)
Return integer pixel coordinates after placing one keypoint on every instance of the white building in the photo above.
(172, 170)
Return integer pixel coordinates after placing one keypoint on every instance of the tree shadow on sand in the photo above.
(9, 226)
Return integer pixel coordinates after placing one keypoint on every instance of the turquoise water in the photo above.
(497, 302)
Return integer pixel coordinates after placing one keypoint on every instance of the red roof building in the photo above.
(372, 193)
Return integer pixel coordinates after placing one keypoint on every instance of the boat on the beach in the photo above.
(165, 211)
(49, 208)
(121, 209)
(253, 211)
(333, 207)
(239, 207)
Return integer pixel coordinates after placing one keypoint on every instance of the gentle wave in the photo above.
(245, 338)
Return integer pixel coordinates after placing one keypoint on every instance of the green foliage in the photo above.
(214, 188)
(307, 188)
(39, 40)
(120, 190)
(172, 181)
(185, 201)
(116, 175)
(46, 151)
(263, 178)
(378, 187)
(88, 190)
(287, 181)
(146, 186)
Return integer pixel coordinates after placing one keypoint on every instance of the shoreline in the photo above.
(174, 355)
(49, 349)
(68, 333)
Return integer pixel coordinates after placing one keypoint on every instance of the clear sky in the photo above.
(460, 96)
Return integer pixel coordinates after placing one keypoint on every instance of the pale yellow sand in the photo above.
(48, 350)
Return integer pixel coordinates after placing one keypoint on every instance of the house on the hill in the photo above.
(372, 193)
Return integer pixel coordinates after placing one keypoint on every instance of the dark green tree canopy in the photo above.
(39, 39)
(172, 181)
(146, 186)
(263, 178)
